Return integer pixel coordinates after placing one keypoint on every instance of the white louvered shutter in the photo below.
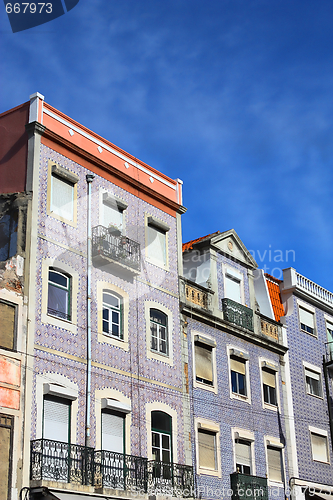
(243, 452)
(112, 432)
(232, 290)
(56, 420)
(274, 464)
(319, 448)
(62, 198)
(203, 362)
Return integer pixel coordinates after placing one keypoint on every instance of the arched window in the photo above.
(59, 294)
(112, 314)
(161, 428)
(159, 331)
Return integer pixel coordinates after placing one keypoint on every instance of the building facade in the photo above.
(105, 388)
(236, 371)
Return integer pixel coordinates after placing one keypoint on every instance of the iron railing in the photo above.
(170, 479)
(63, 462)
(120, 471)
(329, 352)
(237, 313)
(246, 487)
(116, 248)
(71, 463)
(58, 314)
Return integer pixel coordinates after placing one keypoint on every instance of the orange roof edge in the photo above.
(274, 295)
(189, 244)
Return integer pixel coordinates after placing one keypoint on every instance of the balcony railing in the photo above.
(196, 294)
(115, 248)
(62, 462)
(246, 487)
(70, 463)
(237, 313)
(269, 329)
(119, 471)
(329, 353)
(170, 479)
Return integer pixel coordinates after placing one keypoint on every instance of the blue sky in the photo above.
(232, 96)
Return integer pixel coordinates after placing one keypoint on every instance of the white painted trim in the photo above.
(163, 358)
(157, 406)
(208, 425)
(108, 148)
(246, 435)
(210, 342)
(233, 395)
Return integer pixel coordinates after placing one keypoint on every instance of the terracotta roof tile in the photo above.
(189, 244)
(274, 293)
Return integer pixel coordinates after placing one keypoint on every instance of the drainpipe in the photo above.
(330, 412)
(89, 179)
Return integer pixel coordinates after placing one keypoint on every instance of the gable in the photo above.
(231, 245)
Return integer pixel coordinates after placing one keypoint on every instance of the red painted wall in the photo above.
(13, 149)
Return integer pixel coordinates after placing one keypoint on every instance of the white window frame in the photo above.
(308, 367)
(274, 442)
(68, 177)
(157, 406)
(211, 343)
(74, 275)
(310, 310)
(151, 354)
(118, 310)
(244, 357)
(234, 274)
(159, 332)
(103, 337)
(245, 435)
(212, 427)
(273, 367)
(329, 326)
(324, 434)
(159, 225)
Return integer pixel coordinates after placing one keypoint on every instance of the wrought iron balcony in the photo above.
(119, 471)
(237, 313)
(62, 462)
(170, 479)
(71, 463)
(115, 248)
(246, 487)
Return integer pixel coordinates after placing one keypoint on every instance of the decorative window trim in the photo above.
(315, 369)
(68, 176)
(52, 320)
(162, 226)
(323, 433)
(272, 366)
(67, 390)
(274, 443)
(208, 425)
(157, 406)
(120, 403)
(164, 358)
(102, 336)
(310, 309)
(246, 435)
(244, 356)
(210, 342)
(234, 273)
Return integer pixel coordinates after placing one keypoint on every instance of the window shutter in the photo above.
(232, 290)
(62, 197)
(56, 420)
(243, 452)
(7, 315)
(207, 449)
(268, 377)
(306, 317)
(112, 216)
(311, 374)
(112, 432)
(203, 362)
(319, 447)
(274, 464)
(156, 244)
(237, 366)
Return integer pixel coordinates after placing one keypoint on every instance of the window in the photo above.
(6, 451)
(112, 315)
(159, 331)
(238, 375)
(63, 193)
(275, 464)
(329, 327)
(157, 241)
(207, 449)
(113, 431)
(204, 354)
(59, 295)
(243, 456)
(113, 212)
(56, 419)
(319, 446)
(307, 321)
(313, 382)
(269, 386)
(233, 287)
(8, 317)
(161, 427)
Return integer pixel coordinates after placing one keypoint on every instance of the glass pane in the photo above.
(165, 442)
(57, 300)
(156, 439)
(111, 300)
(161, 421)
(241, 384)
(106, 313)
(166, 456)
(115, 317)
(106, 326)
(58, 278)
(158, 317)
